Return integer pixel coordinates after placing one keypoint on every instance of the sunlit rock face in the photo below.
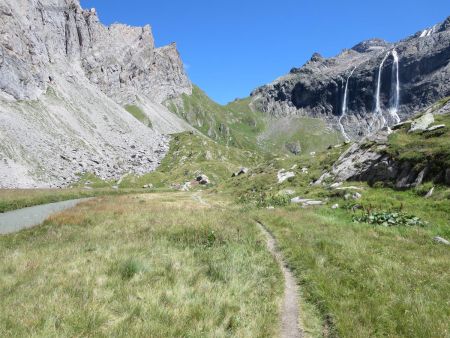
(388, 81)
(64, 80)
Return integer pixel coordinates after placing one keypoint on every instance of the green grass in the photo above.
(423, 147)
(11, 199)
(138, 114)
(238, 125)
(260, 185)
(154, 265)
(311, 133)
(365, 281)
(234, 124)
(190, 155)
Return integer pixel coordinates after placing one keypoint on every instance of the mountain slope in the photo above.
(367, 87)
(64, 82)
(240, 125)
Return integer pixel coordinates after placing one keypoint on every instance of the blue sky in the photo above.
(231, 47)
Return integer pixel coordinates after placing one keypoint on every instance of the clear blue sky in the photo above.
(230, 47)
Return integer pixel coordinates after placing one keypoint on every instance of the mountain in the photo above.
(240, 124)
(65, 80)
(371, 85)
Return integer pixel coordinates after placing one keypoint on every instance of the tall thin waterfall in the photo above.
(378, 110)
(395, 96)
(344, 106)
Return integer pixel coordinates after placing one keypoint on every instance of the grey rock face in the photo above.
(422, 123)
(367, 161)
(121, 60)
(64, 79)
(317, 89)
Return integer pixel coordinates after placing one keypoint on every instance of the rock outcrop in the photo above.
(369, 160)
(405, 76)
(64, 80)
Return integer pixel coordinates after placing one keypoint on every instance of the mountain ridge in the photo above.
(317, 88)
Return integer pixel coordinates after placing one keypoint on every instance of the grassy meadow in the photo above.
(365, 280)
(153, 265)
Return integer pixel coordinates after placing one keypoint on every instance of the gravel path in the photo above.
(17, 220)
(290, 326)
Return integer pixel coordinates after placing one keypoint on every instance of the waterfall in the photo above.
(395, 101)
(344, 106)
(378, 110)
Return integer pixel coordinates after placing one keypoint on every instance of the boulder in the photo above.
(436, 127)
(186, 186)
(202, 179)
(241, 171)
(356, 196)
(422, 123)
(430, 193)
(441, 240)
(294, 147)
(283, 175)
(306, 202)
(287, 192)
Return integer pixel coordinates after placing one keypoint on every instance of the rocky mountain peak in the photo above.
(372, 85)
(370, 45)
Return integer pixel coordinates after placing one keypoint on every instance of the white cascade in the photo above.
(395, 101)
(344, 107)
(378, 110)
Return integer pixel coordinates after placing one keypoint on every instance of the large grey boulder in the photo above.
(422, 123)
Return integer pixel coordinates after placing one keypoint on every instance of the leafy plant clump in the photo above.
(387, 218)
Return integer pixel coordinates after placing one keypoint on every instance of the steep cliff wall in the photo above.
(318, 88)
(64, 81)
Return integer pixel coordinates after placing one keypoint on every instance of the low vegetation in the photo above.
(235, 124)
(240, 125)
(365, 280)
(138, 114)
(389, 219)
(192, 154)
(425, 147)
(11, 199)
(194, 264)
(154, 265)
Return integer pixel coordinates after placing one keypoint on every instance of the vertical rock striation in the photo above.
(317, 89)
(64, 80)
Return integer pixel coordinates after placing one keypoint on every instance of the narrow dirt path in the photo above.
(290, 326)
(13, 221)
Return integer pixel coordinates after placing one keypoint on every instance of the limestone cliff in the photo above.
(64, 80)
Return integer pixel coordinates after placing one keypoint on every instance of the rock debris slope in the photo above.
(64, 81)
(366, 87)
